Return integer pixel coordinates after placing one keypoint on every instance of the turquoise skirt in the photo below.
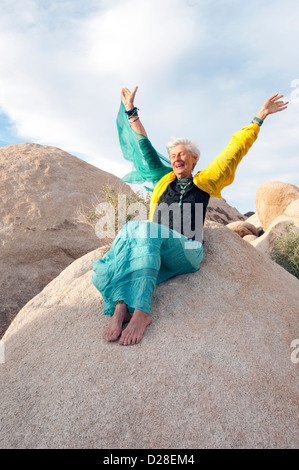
(143, 255)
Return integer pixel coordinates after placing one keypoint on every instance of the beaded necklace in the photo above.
(183, 184)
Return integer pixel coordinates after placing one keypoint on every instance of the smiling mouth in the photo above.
(180, 165)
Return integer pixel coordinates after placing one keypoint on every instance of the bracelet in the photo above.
(258, 120)
(134, 120)
(132, 112)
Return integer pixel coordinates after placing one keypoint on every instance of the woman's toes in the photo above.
(111, 334)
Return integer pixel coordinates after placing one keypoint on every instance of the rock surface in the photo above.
(42, 191)
(213, 370)
(254, 220)
(221, 212)
(278, 227)
(250, 238)
(292, 209)
(243, 228)
(272, 198)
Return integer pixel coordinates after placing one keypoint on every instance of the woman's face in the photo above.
(182, 161)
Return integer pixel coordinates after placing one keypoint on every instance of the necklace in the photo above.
(187, 179)
(183, 184)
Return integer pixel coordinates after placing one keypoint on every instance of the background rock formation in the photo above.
(221, 212)
(243, 228)
(278, 227)
(278, 209)
(42, 189)
(214, 369)
(272, 198)
(254, 220)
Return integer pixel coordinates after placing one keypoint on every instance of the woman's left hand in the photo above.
(271, 106)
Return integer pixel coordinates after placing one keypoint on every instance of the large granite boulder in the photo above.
(43, 193)
(214, 369)
(272, 199)
(292, 210)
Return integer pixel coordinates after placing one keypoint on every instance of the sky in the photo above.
(203, 69)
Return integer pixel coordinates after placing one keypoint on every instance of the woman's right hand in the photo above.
(128, 98)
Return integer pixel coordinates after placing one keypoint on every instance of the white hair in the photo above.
(190, 146)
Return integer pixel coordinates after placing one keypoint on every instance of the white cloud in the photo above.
(62, 86)
(138, 39)
(275, 34)
(203, 69)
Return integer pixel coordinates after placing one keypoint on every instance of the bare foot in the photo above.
(114, 329)
(133, 333)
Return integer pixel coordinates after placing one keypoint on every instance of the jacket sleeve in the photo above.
(221, 172)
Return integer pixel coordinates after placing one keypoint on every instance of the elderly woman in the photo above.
(146, 253)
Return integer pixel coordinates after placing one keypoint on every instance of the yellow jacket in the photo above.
(220, 173)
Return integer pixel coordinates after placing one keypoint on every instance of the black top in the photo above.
(187, 218)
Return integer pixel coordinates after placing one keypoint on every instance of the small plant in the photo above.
(111, 196)
(286, 251)
(90, 216)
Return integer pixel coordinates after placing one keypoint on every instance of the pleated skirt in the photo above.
(143, 255)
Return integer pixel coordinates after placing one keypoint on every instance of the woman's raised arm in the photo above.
(221, 171)
(128, 101)
(149, 165)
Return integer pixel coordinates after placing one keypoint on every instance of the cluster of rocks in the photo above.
(277, 206)
(214, 368)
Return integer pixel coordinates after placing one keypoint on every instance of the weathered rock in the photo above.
(254, 220)
(221, 212)
(243, 228)
(272, 199)
(292, 209)
(213, 370)
(42, 192)
(249, 238)
(278, 227)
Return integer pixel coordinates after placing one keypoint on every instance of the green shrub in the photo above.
(90, 216)
(286, 251)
